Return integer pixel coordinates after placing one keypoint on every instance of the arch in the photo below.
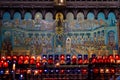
(69, 17)
(6, 16)
(49, 17)
(17, 15)
(80, 17)
(100, 16)
(59, 14)
(102, 33)
(111, 36)
(28, 16)
(38, 15)
(90, 16)
(111, 19)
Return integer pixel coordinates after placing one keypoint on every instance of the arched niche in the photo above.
(112, 19)
(38, 15)
(49, 17)
(90, 16)
(80, 17)
(100, 16)
(28, 16)
(17, 16)
(111, 36)
(69, 17)
(6, 16)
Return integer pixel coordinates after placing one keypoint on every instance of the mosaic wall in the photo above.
(57, 35)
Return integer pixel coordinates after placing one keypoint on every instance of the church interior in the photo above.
(59, 39)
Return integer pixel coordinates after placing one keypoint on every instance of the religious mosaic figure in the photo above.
(59, 29)
(59, 24)
(68, 45)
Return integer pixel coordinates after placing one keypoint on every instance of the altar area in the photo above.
(59, 36)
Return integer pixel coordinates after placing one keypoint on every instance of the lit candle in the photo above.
(28, 71)
(36, 72)
(13, 66)
(7, 72)
(61, 1)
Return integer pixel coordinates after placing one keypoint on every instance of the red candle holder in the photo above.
(1, 64)
(14, 57)
(84, 71)
(32, 60)
(50, 61)
(20, 61)
(26, 59)
(62, 71)
(80, 61)
(112, 70)
(21, 57)
(74, 59)
(40, 71)
(85, 61)
(101, 70)
(9, 58)
(117, 57)
(36, 72)
(3, 58)
(5, 64)
(38, 65)
(38, 59)
(96, 70)
(32, 57)
(94, 60)
(62, 59)
(107, 70)
(100, 59)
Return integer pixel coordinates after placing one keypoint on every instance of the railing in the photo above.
(66, 0)
(69, 3)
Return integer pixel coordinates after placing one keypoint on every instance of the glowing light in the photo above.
(21, 76)
(36, 72)
(51, 71)
(7, 72)
(56, 70)
(3, 58)
(61, 1)
(57, 64)
(1, 72)
(101, 70)
(41, 71)
(84, 71)
(13, 66)
(45, 70)
(112, 70)
(9, 58)
(38, 59)
(96, 70)
(37, 64)
(74, 57)
(28, 71)
(5, 64)
(107, 71)
(21, 57)
(15, 57)
(62, 71)
(32, 57)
